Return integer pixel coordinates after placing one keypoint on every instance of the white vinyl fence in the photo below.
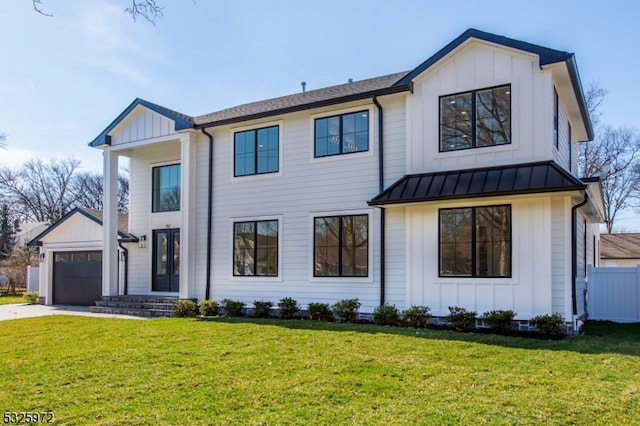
(614, 294)
(33, 278)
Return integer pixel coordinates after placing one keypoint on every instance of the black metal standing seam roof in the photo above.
(481, 182)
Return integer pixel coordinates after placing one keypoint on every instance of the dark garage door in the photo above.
(77, 277)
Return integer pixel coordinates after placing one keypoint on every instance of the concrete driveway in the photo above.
(22, 310)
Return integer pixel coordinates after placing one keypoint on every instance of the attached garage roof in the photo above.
(94, 215)
(620, 246)
(481, 182)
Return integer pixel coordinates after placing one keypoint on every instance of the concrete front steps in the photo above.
(140, 306)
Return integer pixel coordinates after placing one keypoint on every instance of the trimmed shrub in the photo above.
(262, 308)
(416, 316)
(551, 325)
(208, 308)
(347, 309)
(287, 308)
(461, 318)
(32, 297)
(386, 315)
(232, 308)
(185, 308)
(319, 312)
(499, 320)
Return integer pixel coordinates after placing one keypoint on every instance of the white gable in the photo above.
(75, 229)
(141, 124)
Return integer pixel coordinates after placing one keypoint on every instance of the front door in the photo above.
(166, 260)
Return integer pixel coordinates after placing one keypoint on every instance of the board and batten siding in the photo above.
(561, 255)
(141, 124)
(478, 65)
(527, 292)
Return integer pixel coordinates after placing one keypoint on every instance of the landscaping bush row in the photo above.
(346, 310)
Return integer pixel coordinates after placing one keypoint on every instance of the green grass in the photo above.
(258, 372)
(7, 300)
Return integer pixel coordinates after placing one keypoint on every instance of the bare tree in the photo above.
(3, 138)
(40, 191)
(147, 9)
(614, 157)
(89, 187)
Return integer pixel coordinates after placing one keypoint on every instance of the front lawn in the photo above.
(258, 372)
(8, 300)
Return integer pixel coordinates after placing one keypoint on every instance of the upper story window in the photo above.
(475, 242)
(256, 151)
(342, 134)
(165, 188)
(475, 119)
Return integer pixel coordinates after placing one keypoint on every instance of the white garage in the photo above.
(71, 258)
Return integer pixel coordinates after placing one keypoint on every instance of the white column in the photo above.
(110, 224)
(187, 211)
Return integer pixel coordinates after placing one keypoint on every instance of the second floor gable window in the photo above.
(256, 151)
(165, 188)
(342, 134)
(475, 119)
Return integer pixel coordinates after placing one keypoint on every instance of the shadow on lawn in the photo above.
(599, 337)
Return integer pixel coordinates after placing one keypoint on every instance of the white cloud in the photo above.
(15, 157)
(110, 41)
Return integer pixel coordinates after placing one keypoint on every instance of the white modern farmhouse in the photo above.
(454, 183)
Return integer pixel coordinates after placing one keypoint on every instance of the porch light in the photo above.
(142, 241)
(41, 257)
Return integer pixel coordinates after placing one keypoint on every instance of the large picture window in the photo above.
(165, 188)
(255, 248)
(475, 242)
(256, 151)
(341, 246)
(342, 134)
(475, 119)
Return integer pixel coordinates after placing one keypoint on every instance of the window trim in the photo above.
(371, 246)
(556, 118)
(256, 127)
(161, 165)
(473, 243)
(342, 156)
(473, 92)
(250, 278)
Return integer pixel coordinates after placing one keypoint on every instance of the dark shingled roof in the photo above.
(306, 100)
(481, 182)
(620, 246)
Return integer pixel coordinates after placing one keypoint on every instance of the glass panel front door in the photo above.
(166, 260)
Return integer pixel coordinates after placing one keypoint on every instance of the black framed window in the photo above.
(341, 246)
(475, 241)
(475, 119)
(342, 134)
(256, 151)
(255, 248)
(165, 188)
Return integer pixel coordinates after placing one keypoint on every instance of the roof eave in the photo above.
(104, 139)
(383, 203)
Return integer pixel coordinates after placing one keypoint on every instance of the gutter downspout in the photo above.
(574, 253)
(380, 189)
(125, 252)
(209, 215)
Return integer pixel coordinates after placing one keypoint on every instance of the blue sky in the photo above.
(64, 78)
